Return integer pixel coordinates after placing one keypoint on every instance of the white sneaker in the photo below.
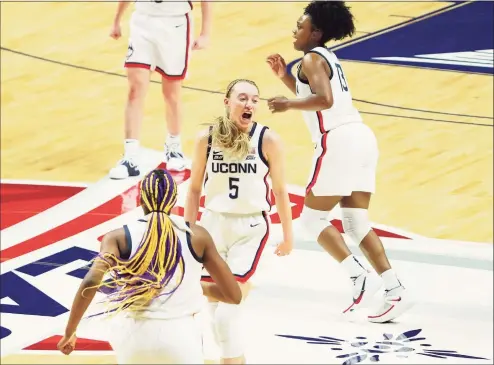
(125, 168)
(365, 286)
(174, 157)
(395, 303)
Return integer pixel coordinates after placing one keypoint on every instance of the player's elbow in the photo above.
(236, 298)
(327, 101)
(195, 190)
(233, 296)
(279, 191)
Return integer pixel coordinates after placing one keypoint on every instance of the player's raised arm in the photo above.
(278, 66)
(273, 150)
(196, 178)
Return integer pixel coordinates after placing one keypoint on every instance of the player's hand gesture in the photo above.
(284, 248)
(278, 104)
(277, 64)
(116, 31)
(67, 344)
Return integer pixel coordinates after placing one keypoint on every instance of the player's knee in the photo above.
(312, 223)
(356, 223)
(137, 90)
(228, 323)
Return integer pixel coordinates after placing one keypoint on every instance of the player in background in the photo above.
(345, 159)
(155, 265)
(161, 39)
(234, 159)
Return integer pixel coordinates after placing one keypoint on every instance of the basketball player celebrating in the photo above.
(345, 158)
(234, 159)
(160, 40)
(156, 266)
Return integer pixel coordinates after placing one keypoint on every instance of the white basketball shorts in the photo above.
(345, 160)
(157, 341)
(160, 43)
(239, 239)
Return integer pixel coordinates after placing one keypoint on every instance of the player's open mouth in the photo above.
(247, 116)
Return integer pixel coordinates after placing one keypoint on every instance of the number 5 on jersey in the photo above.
(233, 187)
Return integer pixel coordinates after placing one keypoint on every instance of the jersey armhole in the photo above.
(259, 146)
(191, 248)
(128, 244)
(210, 142)
(327, 61)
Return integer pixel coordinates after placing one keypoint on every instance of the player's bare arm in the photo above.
(196, 179)
(224, 288)
(116, 31)
(278, 66)
(87, 289)
(274, 153)
(207, 21)
(317, 72)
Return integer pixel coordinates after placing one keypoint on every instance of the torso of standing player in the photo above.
(238, 187)
(342, 112)
(163, 7)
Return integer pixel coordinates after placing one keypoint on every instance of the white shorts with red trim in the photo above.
(160, 43)
(157, 341)
(239, 239)
(345, 160)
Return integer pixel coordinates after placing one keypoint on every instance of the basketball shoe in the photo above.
(365, 286)
(125, 168)
(395, 302)
(174, 157)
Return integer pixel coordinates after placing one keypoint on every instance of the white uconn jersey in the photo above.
(342, 111)
(188, 298)
(163, 7)
(238, 187)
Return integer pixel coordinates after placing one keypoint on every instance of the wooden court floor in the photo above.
(62, 100)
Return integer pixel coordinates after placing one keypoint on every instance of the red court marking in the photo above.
(108, 210)
(121, 204)
(23, 201)
(82, 344)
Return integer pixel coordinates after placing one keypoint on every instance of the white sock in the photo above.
(131, 148)
(390, 279)
(171, 139)
(353, 266)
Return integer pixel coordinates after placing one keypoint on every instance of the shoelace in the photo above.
(130, 162)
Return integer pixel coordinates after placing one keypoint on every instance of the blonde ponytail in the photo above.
(227, 136)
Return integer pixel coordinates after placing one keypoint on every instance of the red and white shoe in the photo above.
(395, 302)
(365, 286)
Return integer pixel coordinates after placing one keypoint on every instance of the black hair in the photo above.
(333, 18)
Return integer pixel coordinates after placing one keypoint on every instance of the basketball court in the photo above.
(421, 74)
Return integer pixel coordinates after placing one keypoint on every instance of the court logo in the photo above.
(361, 348)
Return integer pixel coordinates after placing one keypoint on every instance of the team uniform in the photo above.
(237, 199)
(170, 329)
(346, 151)
(345, 160)
(160, 37)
